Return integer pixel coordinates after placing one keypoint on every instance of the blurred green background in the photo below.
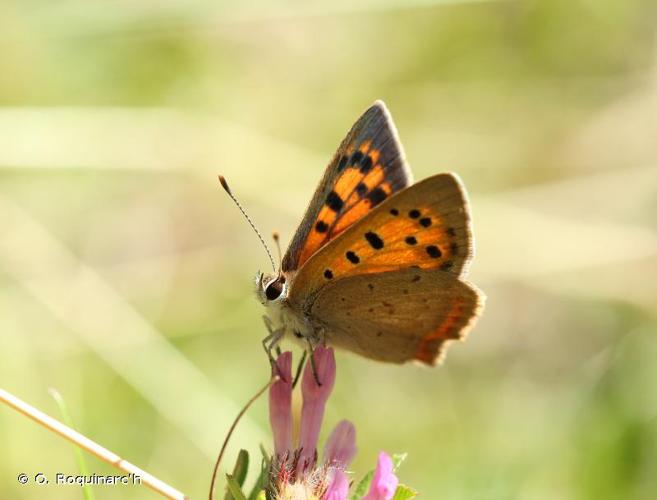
(126, 273)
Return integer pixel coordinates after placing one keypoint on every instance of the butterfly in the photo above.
(377, 265)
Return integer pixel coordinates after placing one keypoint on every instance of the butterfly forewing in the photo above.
(425, 226)
(396, 316)
(368, 167)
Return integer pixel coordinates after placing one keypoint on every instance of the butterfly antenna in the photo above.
(224, 185)
(276, 237)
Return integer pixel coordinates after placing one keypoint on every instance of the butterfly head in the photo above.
(270, 287)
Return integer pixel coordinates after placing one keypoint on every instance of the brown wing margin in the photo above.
(368, 167)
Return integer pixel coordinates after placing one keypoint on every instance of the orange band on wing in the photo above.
(353, 195)
(429, 349)
(353, 184)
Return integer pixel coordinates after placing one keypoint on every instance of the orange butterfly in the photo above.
(377, 264)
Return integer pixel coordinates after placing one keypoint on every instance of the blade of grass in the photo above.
(87, 492)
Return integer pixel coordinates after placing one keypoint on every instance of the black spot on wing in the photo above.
(366, 164)
(352, 257)
(356, 157)
(334, 202)
(321, 226)
(411, 240)
(374, 240)
(394, 211)
(328, 274)
(342, 163)
(376, 196)
(433, 251)
(414, 214)
(361, 189)
(451, 231)
(425, 221)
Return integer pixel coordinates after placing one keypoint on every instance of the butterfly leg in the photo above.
(302, 361)
(270, 342)
(268, 324)
(311, 349)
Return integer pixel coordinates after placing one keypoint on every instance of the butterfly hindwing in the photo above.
(426, 226)
(368, 167)
(396, 316)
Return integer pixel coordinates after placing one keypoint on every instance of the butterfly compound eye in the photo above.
(274, 289)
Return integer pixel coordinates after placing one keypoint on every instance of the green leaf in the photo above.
(403, 492)
(397, 460)
(261, 482)
(241, 467)
(363, 486)
(234, 488)
(87, 492)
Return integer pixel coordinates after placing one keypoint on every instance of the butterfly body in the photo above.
(377, 264)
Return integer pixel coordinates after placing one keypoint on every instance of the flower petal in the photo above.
(340, 447)
(339, 487)
(384, 482)
(280, 405)
(314, 402)
(325, 364)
